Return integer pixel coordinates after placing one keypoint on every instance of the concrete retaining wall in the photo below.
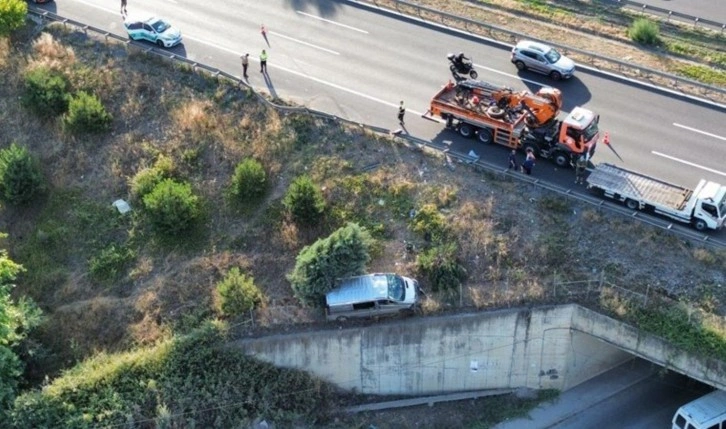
(543, 348)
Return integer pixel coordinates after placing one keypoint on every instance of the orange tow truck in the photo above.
(518, 120)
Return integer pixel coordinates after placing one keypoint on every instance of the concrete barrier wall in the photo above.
(499, 349)
(543, 348)
(649, 347)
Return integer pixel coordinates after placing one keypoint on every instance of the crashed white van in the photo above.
(372, 295)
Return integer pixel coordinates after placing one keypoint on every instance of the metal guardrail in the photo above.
(669, 14)
(595, 61)
(459, 157)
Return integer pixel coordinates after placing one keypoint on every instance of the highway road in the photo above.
(713, 10)
(358, 64)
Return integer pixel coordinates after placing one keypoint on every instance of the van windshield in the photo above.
(396, 288)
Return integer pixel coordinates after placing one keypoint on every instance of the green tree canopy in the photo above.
(344, 253)
(16, 319)
(12, 15)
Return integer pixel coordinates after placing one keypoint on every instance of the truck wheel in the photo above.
(531, 147)
(562, 159)
(632, 204)
(700, 225)
(485, 135)
(520, 65)
(473, 74)
(466, 130)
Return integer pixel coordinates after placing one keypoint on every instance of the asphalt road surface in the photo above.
(634, 395)
(358, 64)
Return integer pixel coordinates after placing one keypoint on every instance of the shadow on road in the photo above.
(574, 91)
(270, 86)
(322, 7)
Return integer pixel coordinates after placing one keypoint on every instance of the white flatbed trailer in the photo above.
(703, 207)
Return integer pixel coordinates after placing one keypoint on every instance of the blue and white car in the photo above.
(155, 30)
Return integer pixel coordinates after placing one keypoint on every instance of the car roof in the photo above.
(535, 46)
(144, 19)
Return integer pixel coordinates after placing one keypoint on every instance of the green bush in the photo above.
(249, 181)
(86, 114)
(440, 265)
(110, 263)
(187, 382)
(344, 253)
(12, 15)
(644, 31)
(238, 293)
(145, 180)
(46, 92)
(430, 223)
(20, 176)
(172, 207)
(304, 201)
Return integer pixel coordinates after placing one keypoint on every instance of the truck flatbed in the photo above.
(624, 182)
(453, 101)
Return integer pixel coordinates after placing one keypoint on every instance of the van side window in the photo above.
(364, 305)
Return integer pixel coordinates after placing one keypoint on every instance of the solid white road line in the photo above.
(332, 22)
(303, 43)
(314, 79)
(673, 158)
(699, 131)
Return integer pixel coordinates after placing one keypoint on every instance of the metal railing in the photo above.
(452, 157)
(596, 62)
(670, 14)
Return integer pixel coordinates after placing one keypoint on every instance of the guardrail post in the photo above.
(723, 27)
(670, 12)
(695, 22)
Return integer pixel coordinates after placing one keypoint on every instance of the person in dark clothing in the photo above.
(123, 7)
(512, 160)
(401, 113)
(528, 163)
(580, 168)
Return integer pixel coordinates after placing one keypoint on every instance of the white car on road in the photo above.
(155, 30)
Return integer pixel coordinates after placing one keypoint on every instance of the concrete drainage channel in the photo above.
(432, 400)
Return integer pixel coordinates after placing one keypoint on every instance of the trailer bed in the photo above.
(616, 180)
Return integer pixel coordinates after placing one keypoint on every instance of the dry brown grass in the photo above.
(4, 51)
(49, 52)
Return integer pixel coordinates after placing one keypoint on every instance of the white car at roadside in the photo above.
(154, 30)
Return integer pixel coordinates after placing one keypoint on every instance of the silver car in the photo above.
(538, 57)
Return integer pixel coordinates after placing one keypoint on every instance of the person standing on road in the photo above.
(580, 167)
(263, 62)
(401, 113)
(245, 64)
(123, 8)
(512, 160)
(528, 163)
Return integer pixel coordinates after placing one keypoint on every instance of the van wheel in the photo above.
(555, 75)
(632, 204)
(700, 225)
(341, 319)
